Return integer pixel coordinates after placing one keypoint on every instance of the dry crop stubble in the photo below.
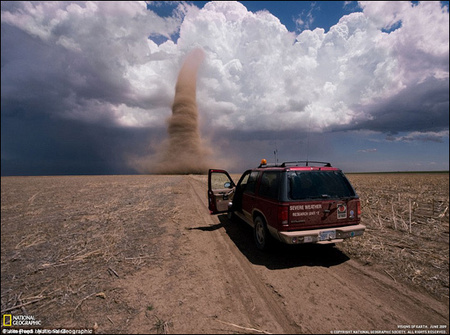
(66, 239)
(407, 221)
(67, 243)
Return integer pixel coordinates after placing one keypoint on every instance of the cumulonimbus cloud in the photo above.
(257, 74)
(114, 64)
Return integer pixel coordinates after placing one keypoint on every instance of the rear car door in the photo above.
(248, 196)
(221, 189)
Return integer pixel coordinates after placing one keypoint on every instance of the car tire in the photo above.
(230, 215)
(262, 235)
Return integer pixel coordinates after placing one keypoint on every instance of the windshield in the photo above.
(318, 185)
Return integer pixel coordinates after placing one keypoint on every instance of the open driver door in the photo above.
(221, 190)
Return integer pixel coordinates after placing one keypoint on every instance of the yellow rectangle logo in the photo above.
(7, 320)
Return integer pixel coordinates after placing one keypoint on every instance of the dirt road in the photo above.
(164, 264)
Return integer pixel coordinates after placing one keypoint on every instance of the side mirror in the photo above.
(227, 184)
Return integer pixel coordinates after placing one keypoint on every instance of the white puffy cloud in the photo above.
(259, 76)
(419, 136)
(256, 76)
(420, 44)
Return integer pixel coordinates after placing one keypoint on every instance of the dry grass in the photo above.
(161, 326)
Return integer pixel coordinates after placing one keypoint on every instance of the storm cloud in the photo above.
(88, 86)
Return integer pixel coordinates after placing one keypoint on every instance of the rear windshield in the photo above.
(318, 185)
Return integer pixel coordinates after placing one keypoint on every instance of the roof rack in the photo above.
(296, 163)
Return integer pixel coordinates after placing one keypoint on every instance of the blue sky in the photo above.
(87, 88)
(300, 15)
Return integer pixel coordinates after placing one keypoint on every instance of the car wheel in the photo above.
(261, 234)
(230, 215)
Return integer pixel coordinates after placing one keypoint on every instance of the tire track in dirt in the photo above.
(408, 306)
(257, 300)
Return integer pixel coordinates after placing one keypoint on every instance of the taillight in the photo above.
(358, 208)
(283, 215)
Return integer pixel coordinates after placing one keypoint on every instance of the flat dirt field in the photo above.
(141, 254)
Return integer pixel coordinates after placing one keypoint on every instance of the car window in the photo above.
(218, 180)
(244, 180)
(251, 183)
(269, 184)
(318, 184)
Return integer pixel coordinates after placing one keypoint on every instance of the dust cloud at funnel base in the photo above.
(183, 152)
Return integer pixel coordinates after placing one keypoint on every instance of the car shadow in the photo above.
(207, 228)
(280, 255)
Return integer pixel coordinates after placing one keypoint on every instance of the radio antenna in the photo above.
(276, 154)
(307, 138)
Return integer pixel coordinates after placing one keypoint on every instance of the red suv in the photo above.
(293, 202)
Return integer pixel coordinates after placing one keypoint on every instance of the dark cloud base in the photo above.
(423, 108)
(48, 146)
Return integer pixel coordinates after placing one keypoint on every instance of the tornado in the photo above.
(184, 152)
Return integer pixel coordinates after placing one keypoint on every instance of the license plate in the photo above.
(327, 235)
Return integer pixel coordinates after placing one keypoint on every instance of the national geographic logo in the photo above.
(7, 320)
(20, 320)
